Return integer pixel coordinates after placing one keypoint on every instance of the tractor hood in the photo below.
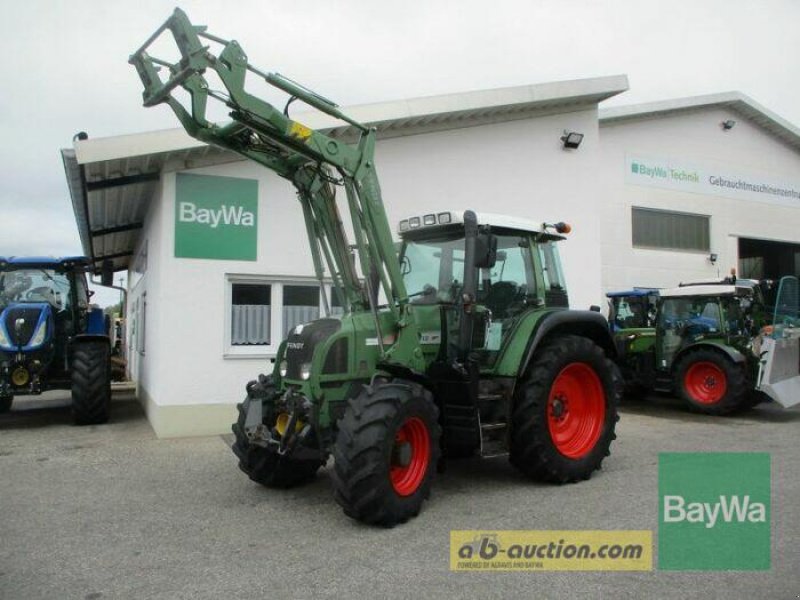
(303, 341)
(25, 326)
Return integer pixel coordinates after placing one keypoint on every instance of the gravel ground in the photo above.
(112, 512)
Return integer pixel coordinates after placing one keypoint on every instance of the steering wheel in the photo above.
(43, 292)
(500, 297)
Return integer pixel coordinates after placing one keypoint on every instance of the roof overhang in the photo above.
(735, 101)
(112, 180)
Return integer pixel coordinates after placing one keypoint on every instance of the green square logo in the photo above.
(216, 217)
(714, 511)
(635, 167)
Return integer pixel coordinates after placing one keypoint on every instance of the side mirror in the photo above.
(485, 251)
(405, 266)
(107, 273)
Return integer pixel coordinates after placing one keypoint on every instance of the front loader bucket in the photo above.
(779, 376)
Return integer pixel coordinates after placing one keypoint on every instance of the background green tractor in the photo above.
(709, 345)
(50, 337)
(462, 344)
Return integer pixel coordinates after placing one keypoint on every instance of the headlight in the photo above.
(283, 368)
(305, 371)
(4, 341)
(38, 336)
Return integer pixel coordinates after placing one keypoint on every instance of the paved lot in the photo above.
(112, 512)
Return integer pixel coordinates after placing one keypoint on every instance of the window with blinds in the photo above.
(670, 230)
(251, 305)
(300, 305)
(262, 311)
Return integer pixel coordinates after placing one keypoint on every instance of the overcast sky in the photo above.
(65, 66)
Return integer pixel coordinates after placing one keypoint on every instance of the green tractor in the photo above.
(460, 342)
(714, 345)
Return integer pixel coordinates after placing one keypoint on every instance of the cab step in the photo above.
(494, 439)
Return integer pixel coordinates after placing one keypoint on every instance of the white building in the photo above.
(653, 193)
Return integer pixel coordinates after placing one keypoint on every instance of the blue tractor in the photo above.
(50, 337)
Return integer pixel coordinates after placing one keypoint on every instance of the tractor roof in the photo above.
(710, 290)
(449, 218)
(634, 292)
(42, 261)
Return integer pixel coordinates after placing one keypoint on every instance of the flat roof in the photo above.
(494, 220)
(112, 180)
(707, 290)
(735, 101)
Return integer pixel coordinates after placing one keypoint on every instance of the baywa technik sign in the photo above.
(713, 180)
(216, 217)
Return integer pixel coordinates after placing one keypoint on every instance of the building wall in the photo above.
(190, 379)
(690, 138)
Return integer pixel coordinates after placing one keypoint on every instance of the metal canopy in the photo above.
(113, 180)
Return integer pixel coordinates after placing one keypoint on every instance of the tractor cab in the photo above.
(632, 309)
(517, 268)
(729, 315)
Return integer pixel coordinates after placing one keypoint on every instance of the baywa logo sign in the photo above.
(216, 217)
(714, 511)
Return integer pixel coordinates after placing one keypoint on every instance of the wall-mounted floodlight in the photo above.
(728, 125)
(571, 139)
(713, 258)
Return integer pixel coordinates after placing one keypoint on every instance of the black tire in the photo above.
(260, 464)
(5, 403)
(700, 372)
(533, 449)
(91, 382)
(365, 448)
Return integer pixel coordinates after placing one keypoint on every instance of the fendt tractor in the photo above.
(714, 344)
(50, 336)
(459, 344)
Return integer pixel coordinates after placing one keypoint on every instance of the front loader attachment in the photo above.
(779, 372)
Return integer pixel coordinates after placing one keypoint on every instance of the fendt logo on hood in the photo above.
(225, 215)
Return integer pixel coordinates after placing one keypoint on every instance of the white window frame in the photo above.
(277, 335)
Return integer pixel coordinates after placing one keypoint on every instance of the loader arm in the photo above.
(315, 163)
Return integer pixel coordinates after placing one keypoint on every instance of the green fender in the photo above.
(538, 326)
(730, 351)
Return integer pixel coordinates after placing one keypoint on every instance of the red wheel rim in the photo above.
(413, 441)
(576, 410)
(705, 382)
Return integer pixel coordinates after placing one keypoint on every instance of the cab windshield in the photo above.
(34, 285)
(433, 271)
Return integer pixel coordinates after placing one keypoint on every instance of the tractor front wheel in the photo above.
(565, 411)
(91, 382)
(711, 383)
(264, 465)
(5, 403)
(386, 452)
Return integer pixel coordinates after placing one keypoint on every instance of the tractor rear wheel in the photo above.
(5, 403)
(91, 382)
(565, 411)
(264, 465)
(711, 383)
(386, 452)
